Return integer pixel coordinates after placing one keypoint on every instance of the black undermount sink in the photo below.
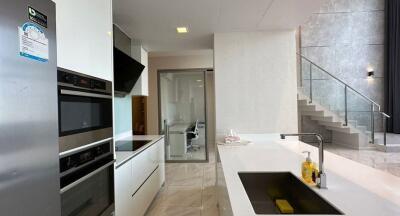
(264, 188)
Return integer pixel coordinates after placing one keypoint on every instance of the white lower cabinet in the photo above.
(138, 180)
(123, 179)
(161, 160)
(145, 195)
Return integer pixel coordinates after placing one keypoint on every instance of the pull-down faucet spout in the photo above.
(321, 179)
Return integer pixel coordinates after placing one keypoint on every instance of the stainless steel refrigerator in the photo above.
(29, 165)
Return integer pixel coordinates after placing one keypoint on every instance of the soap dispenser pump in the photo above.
(307, 169)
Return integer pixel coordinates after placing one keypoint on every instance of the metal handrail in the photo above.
(346, 85)
(386, 115)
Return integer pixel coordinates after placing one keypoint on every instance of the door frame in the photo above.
(204, 70)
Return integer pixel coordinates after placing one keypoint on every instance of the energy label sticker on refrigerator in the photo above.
(33, 43)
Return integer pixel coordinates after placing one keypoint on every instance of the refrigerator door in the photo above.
(29, 177)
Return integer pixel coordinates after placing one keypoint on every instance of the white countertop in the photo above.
(353, 188)
(123, 156)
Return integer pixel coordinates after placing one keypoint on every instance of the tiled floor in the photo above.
(386, 161)
(192, 154)
(189, 190)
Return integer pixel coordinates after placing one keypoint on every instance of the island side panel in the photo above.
(224, 205)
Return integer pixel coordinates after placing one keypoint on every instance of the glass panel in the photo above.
(379, 127)
(359, 112)
(79, 114)
(327, 91)
(87, 114)
(91, 197)
(305, 78)
(182, 106)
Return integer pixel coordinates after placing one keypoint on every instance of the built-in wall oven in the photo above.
(87, 181)
(85, 110)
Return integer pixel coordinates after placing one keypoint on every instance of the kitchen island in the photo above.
(353, 188)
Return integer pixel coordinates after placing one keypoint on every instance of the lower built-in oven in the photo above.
(84, 110)
(87, 181)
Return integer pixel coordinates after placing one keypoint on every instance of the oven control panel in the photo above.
(84, 157)
(80, 81)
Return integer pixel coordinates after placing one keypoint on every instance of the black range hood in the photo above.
(126, 72)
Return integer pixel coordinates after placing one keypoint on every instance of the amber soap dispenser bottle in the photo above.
(307, 168)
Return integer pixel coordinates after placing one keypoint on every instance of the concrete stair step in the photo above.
(343, 129)
(310, 108)
(323, 118)
(302, 102)
(332, 124)
(313, 113)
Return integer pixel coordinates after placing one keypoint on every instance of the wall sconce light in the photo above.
(370, 72)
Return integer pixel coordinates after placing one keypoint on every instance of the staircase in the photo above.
(355, 137)
(355, 120)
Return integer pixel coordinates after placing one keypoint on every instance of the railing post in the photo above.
(372, 123)
(346, 121)
(384, 129)
(311, 98)
(301, 71)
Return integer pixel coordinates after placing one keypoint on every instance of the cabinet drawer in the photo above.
(142, 165)
(142, 199)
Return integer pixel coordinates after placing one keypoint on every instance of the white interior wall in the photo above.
(255, 82)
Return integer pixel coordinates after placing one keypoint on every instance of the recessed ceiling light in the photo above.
(199, 80)
(181, 30)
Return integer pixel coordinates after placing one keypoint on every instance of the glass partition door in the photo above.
(182, 111)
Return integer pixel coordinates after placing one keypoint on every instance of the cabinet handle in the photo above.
(84, 94)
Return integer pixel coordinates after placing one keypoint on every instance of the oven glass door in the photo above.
(94, 196)
(83, 111)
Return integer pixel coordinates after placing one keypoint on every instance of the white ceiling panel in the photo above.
(241, 15)
(288, 14)
(154, 22)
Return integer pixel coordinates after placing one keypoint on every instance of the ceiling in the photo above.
(154, 22)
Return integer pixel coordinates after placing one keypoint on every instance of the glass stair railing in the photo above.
(352, 107)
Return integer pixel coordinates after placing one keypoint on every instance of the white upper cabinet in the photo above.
(84, 36)
(142, 85)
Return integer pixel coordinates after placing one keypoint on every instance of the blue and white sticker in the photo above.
(33, 43)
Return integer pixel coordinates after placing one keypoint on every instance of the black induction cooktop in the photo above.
(130, 145)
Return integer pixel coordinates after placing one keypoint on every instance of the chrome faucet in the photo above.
(321, 178)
